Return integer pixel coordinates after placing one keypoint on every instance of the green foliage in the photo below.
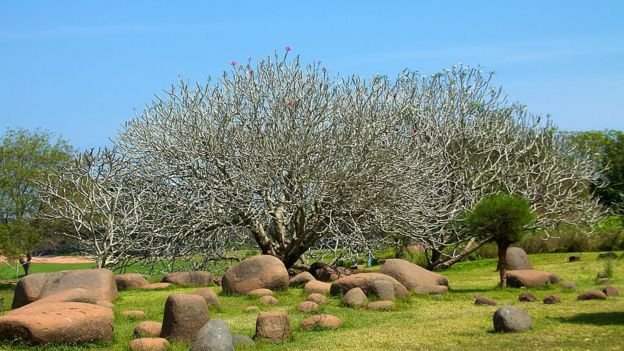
(607, 148)
(500, 216)
(25, 157)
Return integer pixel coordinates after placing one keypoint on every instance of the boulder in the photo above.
(517, 259)
(354, 298)
(267, 300)
(568, 284)
(510, 319)
(130, 281)
(212, 300)
(317, 286)
(147, 329)
(194, 278)
(551, 300)
(383, 289)
(156, 286)
(254, 273)
(611, 291)
(526, 297)
(33, 287)
(529, 278)
(71, 295)
(380, 305)
(307, 307)
(243, 342)
(365, 281)
(301, 279)
(213, 336)
(58, 322)
(149, 344)
(321, 321)
(317, 298)
(430, 289)
(274, 326)
(413, 277)
(327, 273)
(133, 314)
(484, 301)
(592, 295)
(184, 315)
(260, 292)
(250, 309)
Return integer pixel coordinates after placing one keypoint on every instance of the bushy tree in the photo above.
(25, 157)
(501, 218)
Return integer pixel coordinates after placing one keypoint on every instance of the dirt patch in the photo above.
(57, 259)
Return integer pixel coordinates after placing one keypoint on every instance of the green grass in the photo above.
(424, 322)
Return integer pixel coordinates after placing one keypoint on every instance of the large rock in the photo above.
(301, 279)
(365, 281)
(210, 296)
(321, 321)
(195, 278)
(414, 277)
(384, 290)
(517, 258)
(274, 326)
(71, 295)
(327, 273)
(58, 322)
(354, 298)
(317, 286)
(184, 316)
(213, 336)
(511, 319)
(254, 273)
(130, 281)
(529, 278)
(33, 287)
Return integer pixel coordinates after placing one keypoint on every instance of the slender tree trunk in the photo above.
(25, 262)
(502, 262)
(470, 248)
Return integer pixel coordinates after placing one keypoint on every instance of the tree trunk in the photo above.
(25, 262)
(502, 262)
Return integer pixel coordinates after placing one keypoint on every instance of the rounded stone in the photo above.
(254, 273)
(274, 326)
(149, 344)
(510, 319)
(380, 305)
(321, 321)
(147, 329)
(354, 298)
(267, 300)
(307, 307)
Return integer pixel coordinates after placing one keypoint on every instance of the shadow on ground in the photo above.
(596, 318)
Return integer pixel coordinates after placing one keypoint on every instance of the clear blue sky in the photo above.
(81, 68)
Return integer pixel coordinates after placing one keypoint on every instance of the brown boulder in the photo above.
(430, 289)
(551, 300)
(517, 259)
(592, 295)
(149, 344)
(133, 314)
(413, 276)
(251, 309)
(529, 278)
(526, 297)
(380, 305)
(301, 279)
(156, 286)
(365, 281)
(33, 287)
(321, 321)
(58, 322)
(307, 306)
(184, 315)
(383, 289)
(317, 298)
(147, 329)
(327, 273)
(210, 296)
(568, 284)
(354, 298)
(71, 295)
(611, 290)
(274, 326)
(130, 281)
(267, 300)
(260, 292)
(484, 300)
(317, 286)
(254, 273)
(194, 278)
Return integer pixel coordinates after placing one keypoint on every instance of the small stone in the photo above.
(380, 305)
(611, 290)
(383, 289)
(243, 342)
(307, 306)
(321, 321)
(552, 299)
(149, 344)
(317, 286)
(213, 336)
(574, 258)
(133, 314)
(568, 284)
(260, 292)
(318, 298)
(274, 326)
(251, 309)
(484, 300)
(510, 319)
(526, 297)
(592, 295)
(268, 300)
(147, 329)
(354, 298)
(156, 286)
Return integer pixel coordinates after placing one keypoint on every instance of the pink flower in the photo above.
(289, 102)
(233, 63)
(288, 48)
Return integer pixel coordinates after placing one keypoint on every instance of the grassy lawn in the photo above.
(423, 322)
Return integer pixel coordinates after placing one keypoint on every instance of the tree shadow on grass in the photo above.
(596, 318)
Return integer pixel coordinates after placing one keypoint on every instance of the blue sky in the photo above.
(81, 68)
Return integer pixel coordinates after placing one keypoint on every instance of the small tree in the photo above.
(502, 218)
